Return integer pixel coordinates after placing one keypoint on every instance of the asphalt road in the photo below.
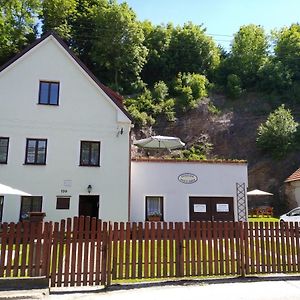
(265, 290)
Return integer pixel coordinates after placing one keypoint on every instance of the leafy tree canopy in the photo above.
(17, 25)
(287, 48)
(56, 16)
(248, 53)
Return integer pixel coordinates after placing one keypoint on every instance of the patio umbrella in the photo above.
(160, 142)
(258, 193)
(8, 190)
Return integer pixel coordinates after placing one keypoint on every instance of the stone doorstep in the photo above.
(24, 283)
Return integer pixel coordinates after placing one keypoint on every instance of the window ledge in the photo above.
(93, 166)
(48, 104)
(32, 164)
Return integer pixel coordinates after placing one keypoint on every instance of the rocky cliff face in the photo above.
(233, 134)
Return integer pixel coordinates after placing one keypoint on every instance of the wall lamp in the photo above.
(120, 131)
(89, 188)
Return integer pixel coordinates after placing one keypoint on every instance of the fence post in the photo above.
(242, 253)
(109, 255)
(179, 249)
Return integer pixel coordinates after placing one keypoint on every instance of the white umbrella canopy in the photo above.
(8, 190)
(258, 193)
(160, 142)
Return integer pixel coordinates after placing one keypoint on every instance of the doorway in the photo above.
(89, 206)
(211, 209)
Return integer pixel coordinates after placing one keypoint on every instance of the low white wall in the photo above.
(157, 178)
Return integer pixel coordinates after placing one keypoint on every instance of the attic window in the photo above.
(49, 93)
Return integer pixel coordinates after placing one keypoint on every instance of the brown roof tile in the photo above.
(294, 177)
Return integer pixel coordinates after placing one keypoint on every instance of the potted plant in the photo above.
(154, 217)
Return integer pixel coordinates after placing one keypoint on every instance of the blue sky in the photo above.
(222, 18)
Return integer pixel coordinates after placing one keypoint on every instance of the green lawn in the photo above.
(263, 219)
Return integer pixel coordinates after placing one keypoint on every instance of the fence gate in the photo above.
(79, 252)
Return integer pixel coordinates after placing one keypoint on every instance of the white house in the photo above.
(64, 137)
(180, 190)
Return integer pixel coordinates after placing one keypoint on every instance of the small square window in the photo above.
(154, 208)
(63, 203)
(4, 141)
(30, 204)
(90, 154)
(36, 150)
(49, 93)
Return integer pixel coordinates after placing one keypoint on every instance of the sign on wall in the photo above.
(222, 207)
(200, 208)
(187, 178)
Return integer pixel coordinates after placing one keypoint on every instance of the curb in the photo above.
(24, 283)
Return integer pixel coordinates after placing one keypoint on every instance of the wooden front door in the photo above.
(211, 209)
(89, 206)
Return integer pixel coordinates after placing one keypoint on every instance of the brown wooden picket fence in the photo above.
(84, 251)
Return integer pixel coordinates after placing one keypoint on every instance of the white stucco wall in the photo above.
(295, 190)
(149, 178)
(84, 113)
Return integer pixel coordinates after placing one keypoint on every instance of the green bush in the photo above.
(277, 135)
(200, 150)
(149, 105)
(233, 87)
(189, 89)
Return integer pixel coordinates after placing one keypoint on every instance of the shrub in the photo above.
(233, 87)
(277, 134)
(189, 89)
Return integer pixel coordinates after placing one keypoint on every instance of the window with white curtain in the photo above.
(154, 207)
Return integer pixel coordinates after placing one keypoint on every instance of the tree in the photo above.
(277, 134)
(56, 15)
(287, 49)
(117, 50)
(17, 25)
(157, 41)
(248, 54)
(275, 77)
(191, 50)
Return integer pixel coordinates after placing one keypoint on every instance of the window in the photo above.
(49, 93)
(90, 154)
(295, 212)
(63, 203)
(36, 151)
(1, 207)
(30, 204)
(154, 207)
(3, 149)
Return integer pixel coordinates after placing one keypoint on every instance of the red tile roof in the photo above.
(294, 177)
(174, 160)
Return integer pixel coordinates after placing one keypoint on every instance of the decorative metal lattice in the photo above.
(241, 201)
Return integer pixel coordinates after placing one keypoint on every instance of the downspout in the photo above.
(129, 177)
